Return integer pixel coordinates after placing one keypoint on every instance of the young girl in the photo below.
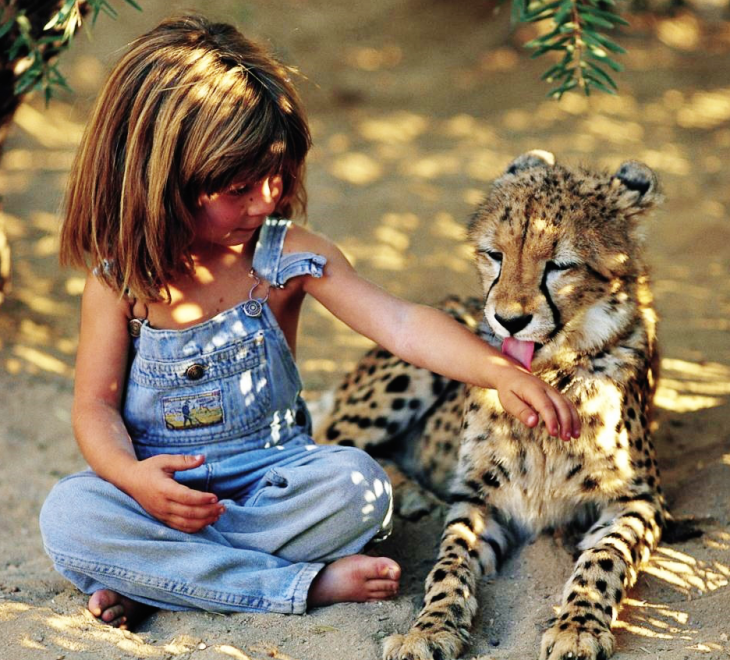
(205, 489)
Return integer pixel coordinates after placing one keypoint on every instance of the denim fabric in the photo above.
(227, 388)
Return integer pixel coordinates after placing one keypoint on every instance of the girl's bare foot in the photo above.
(357, 578)
(117, 610)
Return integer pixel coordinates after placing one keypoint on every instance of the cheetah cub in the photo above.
(565, 291)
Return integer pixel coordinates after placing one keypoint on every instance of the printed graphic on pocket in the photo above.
(193, 411)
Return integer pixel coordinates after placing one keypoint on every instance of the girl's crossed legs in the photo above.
(289, 537)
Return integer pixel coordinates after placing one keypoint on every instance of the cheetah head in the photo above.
(560, 255)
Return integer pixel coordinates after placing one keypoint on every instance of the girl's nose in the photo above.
(265, 196)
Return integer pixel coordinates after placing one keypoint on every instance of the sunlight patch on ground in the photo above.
(444, 226)
(470, 129)
(75, 286)
(435, 166)
(356, 168)
(615, 131)
(24, 160)
(687, 574)
(233, 652)
(654, 620)
(681, 31)
(50, 126)
(689, 386)
(9, 611)
(42, 361)
(374, 59)
(706, 109)
(393, 238)
(399, 128)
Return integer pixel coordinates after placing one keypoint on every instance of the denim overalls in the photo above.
(227, 388)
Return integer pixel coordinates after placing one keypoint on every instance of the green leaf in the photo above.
(608, 15)
(6, 26)
(565, 87)
(57, 77)
(603, 41)
(20, 42)
(597, 20)
(557, 45)
(543, 39)
(542, 12)
(594, 82)
(553, 70)
(61, 16)
(23, 23)
(598, 71)
(601, 56)
(138, 7)
(565, 10)
(109, 11)
(517, 11)
(28, 80)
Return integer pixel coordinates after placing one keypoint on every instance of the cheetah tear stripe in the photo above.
(521, 351)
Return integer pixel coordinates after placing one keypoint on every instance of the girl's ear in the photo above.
(534, 158)
(636, 187)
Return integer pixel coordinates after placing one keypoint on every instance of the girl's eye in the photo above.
(553, 266)
(240, 189)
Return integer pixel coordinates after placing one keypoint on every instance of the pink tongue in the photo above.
(519, 350)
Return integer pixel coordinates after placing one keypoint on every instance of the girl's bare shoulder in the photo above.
(305, 239)
(103, 299)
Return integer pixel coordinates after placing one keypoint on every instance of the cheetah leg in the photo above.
(613, 551)
(472, 545)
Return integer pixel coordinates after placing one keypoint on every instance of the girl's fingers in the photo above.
(203, 512)
(562, 409)
(177, 463)
(568, 415)
(543, 404)
(516, 406)
(188, 525)
(176, 492)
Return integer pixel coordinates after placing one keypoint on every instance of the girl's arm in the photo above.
(101, 365)
(428, 338)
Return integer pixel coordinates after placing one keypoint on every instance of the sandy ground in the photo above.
(415, 106)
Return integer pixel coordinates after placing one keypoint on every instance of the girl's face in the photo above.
(232, 217)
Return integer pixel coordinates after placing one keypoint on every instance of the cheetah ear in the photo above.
(637, 186)
(534, 158)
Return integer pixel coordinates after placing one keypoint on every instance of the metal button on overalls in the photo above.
(195, 371)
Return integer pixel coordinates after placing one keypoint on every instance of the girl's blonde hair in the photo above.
(191, 107)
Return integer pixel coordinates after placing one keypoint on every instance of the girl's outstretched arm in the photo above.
(429, 338)
(101, 364)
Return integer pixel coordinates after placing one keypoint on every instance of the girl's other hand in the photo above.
(154, 487)
(525, 396)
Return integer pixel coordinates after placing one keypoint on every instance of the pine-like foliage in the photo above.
(32, 49)
(578, 38)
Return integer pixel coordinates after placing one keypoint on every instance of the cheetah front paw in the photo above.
(570, 641)
(422, 645)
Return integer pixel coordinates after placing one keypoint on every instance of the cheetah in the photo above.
(560, 255)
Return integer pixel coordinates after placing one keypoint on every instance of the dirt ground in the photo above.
(415, 106)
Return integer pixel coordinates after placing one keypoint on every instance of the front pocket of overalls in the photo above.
(212, 396)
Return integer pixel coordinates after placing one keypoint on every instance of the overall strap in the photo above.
(277, 268)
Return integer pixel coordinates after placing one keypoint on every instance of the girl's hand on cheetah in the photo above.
(154, 487)
(526, 397)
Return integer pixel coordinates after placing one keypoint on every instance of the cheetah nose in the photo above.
(515, 323)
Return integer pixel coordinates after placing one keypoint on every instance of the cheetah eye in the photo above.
(553, 266)
(494, 256)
